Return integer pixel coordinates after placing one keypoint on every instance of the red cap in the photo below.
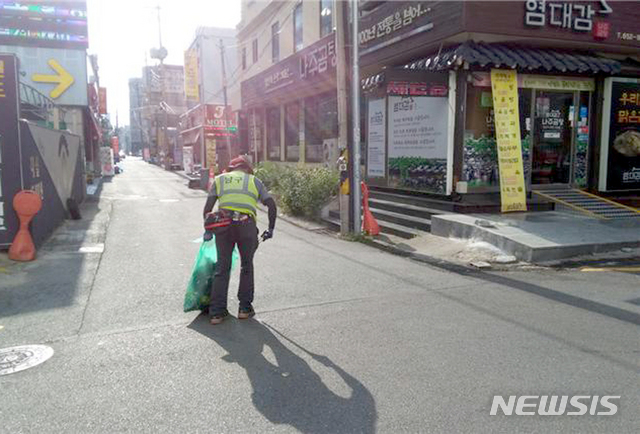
(240, 163)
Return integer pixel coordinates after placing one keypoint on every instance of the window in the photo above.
(244, 57)
(275, 42)
(273, 134)
(326, 17)
(297, 28)
(292, 132)
(321, 123)
(480, 156)
(254, 49)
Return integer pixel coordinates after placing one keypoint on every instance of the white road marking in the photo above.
(94, 248)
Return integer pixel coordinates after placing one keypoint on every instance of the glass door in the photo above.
(552, 145)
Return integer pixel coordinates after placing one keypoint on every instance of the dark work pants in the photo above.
(245, 236)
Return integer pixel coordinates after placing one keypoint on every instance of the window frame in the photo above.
(244, 58)
(254, 50)
(273, 136)
(331, 7)
(275, 42)
(298, 19)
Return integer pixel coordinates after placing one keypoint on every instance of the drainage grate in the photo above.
(16, 359)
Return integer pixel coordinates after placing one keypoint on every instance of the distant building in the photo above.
(205, 50)
(135, 120)
(204, 88)
(162, 104)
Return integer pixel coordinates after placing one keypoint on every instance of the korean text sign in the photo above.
(620, 156)
(504, 84)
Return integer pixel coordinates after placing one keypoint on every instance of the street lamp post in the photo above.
(355, 88)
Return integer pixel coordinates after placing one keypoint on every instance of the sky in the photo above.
(121, 32)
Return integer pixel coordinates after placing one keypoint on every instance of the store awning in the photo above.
(191, 136)
(516, 57)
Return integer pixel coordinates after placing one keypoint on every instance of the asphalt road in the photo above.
(347, 338)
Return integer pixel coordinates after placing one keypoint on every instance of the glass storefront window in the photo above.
(273, 134)
(551, 157)
(292, 132)
(321, 123)
(254, 127)
(480, 157)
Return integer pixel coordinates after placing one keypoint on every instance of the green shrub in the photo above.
(302, 191)
(270, 173)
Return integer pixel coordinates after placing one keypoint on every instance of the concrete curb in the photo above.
(515, 243)
(422, 258)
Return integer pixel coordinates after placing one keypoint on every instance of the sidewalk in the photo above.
(46, 298)
(542, 237)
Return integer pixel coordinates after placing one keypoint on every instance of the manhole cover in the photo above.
(16, 359)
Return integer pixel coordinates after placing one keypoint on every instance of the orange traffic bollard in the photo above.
(27, 204)
(369, 223)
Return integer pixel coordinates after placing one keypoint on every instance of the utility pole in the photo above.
(224, 92)
(159, 28)
(355, 155)
(162, 145)
(342, 27)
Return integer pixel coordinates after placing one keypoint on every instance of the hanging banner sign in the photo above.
(376, 140)
(191, 84)
(504, 84)
(102, 101)
(211, 153)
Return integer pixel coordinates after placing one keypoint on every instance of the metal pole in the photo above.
(342, 75)
(224, 92)
(159, 27)
(355, 157)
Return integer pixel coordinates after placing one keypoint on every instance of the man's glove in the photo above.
(267, 234)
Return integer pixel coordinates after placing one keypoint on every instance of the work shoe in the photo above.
(218, 317)
(246, 312)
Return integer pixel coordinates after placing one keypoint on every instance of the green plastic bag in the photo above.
(198, 292)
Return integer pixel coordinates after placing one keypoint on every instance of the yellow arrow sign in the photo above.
(62, 78)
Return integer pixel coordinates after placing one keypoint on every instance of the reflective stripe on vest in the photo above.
(237, 191)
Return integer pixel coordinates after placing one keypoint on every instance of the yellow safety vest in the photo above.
(237, 191)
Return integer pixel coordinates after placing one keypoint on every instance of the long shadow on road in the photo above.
(291, 393)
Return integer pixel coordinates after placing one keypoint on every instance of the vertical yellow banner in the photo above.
(504, 84)
(211, 155)
(191, 82)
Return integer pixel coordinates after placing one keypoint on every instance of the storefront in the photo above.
(555, 117)
(430, 107)
(291, 109)
(206, 134)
